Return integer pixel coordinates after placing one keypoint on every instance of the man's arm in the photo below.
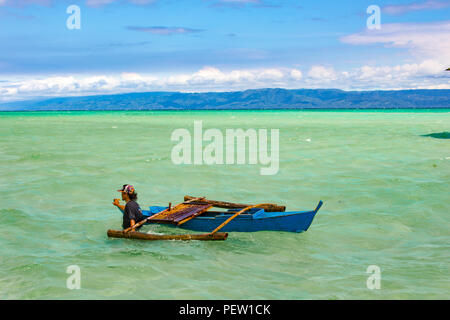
(118, 205)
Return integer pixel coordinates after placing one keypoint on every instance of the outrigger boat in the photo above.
(193, 214)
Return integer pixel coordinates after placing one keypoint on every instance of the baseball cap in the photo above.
(128, 188)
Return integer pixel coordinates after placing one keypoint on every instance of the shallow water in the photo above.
(385, 189)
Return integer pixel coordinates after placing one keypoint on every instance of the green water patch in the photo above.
(383, 185)
(31, 156)
(438, 135)
(14, 216)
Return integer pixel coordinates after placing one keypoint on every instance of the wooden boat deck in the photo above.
(180, 213)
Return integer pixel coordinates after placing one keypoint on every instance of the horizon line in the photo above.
(41, 98)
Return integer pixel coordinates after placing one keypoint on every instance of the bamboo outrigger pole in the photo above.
(268, 207)
(261, 205)
(146, 236)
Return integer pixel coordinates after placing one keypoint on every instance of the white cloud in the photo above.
(405, 71)
(322, 73)
(427, 74)
(296, 74)
(423, 40)
(271, 74)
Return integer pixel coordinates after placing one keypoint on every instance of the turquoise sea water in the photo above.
(385, 189)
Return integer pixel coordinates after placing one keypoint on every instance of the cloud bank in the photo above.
(423, 40)
(425, 75)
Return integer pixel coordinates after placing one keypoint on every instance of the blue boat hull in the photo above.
(295, 221)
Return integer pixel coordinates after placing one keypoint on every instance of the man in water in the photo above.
(132, 213)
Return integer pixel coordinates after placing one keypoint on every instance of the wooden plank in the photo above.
(187, 210)
(179, 206)
(146, 236)
(180, 212)
(268, 207)
(206, 208)
(193, 212)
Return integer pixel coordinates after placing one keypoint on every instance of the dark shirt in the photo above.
(132, 212)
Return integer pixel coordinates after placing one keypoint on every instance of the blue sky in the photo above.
(220, 45)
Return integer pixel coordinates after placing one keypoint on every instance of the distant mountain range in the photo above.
(249, 99)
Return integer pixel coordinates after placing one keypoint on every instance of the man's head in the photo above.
(128, 192)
